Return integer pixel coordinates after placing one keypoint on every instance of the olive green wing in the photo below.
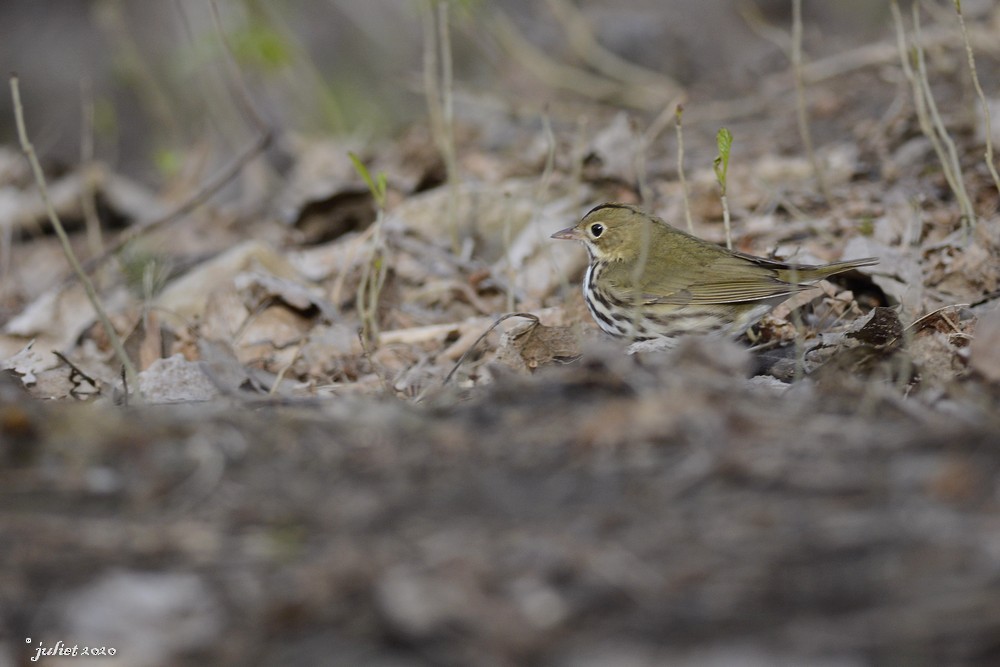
(725, 279)
(707, 275)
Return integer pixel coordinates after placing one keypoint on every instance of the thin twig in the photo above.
(550, 158)
(921, 321)
(373, 273)
(963, 197)
(662, 121)
(988, 125)
(639, 163)
(727, 225)
(511, 268)
(800, 97)
(88, 286)
(724, 140)
(125, 391)
(680, 168)
(919, 99)
(76, 369)
(930, 121)
(438, 81)
(465, 355)
(88, 193)
(367, 354)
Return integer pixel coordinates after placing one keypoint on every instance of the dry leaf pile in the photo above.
(287, 307)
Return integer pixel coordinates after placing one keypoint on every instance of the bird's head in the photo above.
(611, 232)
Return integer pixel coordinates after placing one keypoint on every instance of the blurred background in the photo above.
(145, 78)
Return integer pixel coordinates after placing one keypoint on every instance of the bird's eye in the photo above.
(596, 229)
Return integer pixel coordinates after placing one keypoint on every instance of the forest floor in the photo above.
(335, 457)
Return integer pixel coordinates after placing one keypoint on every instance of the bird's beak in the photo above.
(568, 234)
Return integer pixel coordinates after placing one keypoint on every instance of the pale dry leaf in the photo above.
(468, 336)
(821, 289)
(488, 213)
(898, 272)
(27, 362)
(613, 149)
(273, 329)
(58, 317)
(436, 333)
(936, 358)
(48, 377)
(259, 287)
(186, 296)
(221, 366)
(536, 264)
(969, 268)
(774, 171)
(322, 168)
(329, 259)
(20, 209)
(129, 198)
(149, 346)
(61, 383)
(331, 349)
(533, 344)
(175, 380)
(225, 312)
(900, 225)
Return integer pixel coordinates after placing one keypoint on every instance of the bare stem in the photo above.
(931, 129)
(639, 163)
(496, 323)
(800, 99)
(29, 150)
(372, 281)
(982, 98)
(680, 168)
(438, 79)
(725, 222)
(88, 201)
(956, 166)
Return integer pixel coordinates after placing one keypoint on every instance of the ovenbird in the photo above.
(648, 280)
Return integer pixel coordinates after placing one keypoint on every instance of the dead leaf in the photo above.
(175, 380)
(533, 344)
(186, 296)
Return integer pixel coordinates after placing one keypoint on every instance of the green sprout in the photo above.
(377, 185)
(375, 269)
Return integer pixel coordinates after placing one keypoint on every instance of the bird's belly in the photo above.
(656, 321)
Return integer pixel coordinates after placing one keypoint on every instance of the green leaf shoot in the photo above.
(378, 185)
(724, 140)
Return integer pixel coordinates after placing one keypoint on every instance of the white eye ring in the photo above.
(596, 229)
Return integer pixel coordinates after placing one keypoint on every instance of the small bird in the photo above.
(650, 281)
